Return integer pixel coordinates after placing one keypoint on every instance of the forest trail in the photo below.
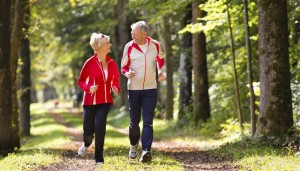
(190, 157)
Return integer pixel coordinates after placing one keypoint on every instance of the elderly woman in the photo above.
(99, 77)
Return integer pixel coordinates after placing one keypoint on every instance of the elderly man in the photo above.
(141, 62)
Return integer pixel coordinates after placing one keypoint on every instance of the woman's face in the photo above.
(138, 36)
(106, 46)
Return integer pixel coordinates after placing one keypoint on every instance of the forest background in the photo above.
(211, 83)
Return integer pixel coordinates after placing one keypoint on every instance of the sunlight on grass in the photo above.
(270, 162)
(41, 148)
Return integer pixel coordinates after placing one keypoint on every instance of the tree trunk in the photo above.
(236, 85)
(17, 16)
(249, 70)
(25, 82)
(275, 111)
(122, 31)
(201, 97)
(169, 68)
(6, 141)
(185, 68)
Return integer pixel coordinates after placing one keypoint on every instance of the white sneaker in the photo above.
(82, 150)
(146, 157)
(133, 153)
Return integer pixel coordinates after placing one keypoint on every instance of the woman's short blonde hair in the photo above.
(98, 40)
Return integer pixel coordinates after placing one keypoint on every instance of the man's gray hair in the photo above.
(141, 24)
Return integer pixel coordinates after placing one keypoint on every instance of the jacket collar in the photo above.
(108, 58)
(135, 45)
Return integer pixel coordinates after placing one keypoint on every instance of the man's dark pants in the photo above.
(141, 103)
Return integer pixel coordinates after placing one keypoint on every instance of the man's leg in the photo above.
(134, 103)
(148, 107)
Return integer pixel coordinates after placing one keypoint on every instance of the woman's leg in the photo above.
(100, 130)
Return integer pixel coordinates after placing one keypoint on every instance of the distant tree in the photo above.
(249, 70)
(236, 85)
(185, 66)
(167, 42)
(201, 106)
(122, 32)
(275, 111)
(6, 141)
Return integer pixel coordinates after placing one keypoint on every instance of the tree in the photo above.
(6, 142)
(249, 70)
(17, 16)
(201, 104)
(275, 111)
(236, 85)
(167, 42)
(122, 30)
(185, 66)
(24, 78)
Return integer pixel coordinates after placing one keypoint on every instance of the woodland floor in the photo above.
(190, 157)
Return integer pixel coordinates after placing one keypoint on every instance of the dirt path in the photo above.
(190, 157)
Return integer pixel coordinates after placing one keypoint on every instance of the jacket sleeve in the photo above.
(83, 78)
(125, 62)
(160, 60)
(116, 78)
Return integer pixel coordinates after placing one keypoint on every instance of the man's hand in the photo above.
(161, 77)
(130, 74)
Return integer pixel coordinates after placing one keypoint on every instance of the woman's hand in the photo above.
(115, 90)
(93, 89)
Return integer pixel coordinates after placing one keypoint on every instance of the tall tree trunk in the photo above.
(122, 31)
(201, 97)
(185, 68)
(17, 16)
(275, 111)
(6, 141)
(169, 68)
(236, 85)
(25, 81)
(249, 71)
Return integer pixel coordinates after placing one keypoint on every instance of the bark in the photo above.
(249, 71)
(185, 68)
(236, 84)
(25, 82)
(275, 111)
(201, 104)
(6, 141)
(17, 16)
(201, 96)
(169, 68)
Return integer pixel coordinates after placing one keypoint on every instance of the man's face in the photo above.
(138, 36)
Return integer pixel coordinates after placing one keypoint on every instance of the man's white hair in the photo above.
(141, 24)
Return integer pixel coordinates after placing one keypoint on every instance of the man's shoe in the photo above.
(146, 157)
(82, 150)
(133, 153)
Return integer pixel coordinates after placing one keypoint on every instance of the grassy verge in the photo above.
(44, 147)
(40, 149)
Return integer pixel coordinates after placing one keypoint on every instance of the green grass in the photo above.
(40, 149)
(43, 148)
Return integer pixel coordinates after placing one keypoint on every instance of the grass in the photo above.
(43, 148)
(40, 149)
